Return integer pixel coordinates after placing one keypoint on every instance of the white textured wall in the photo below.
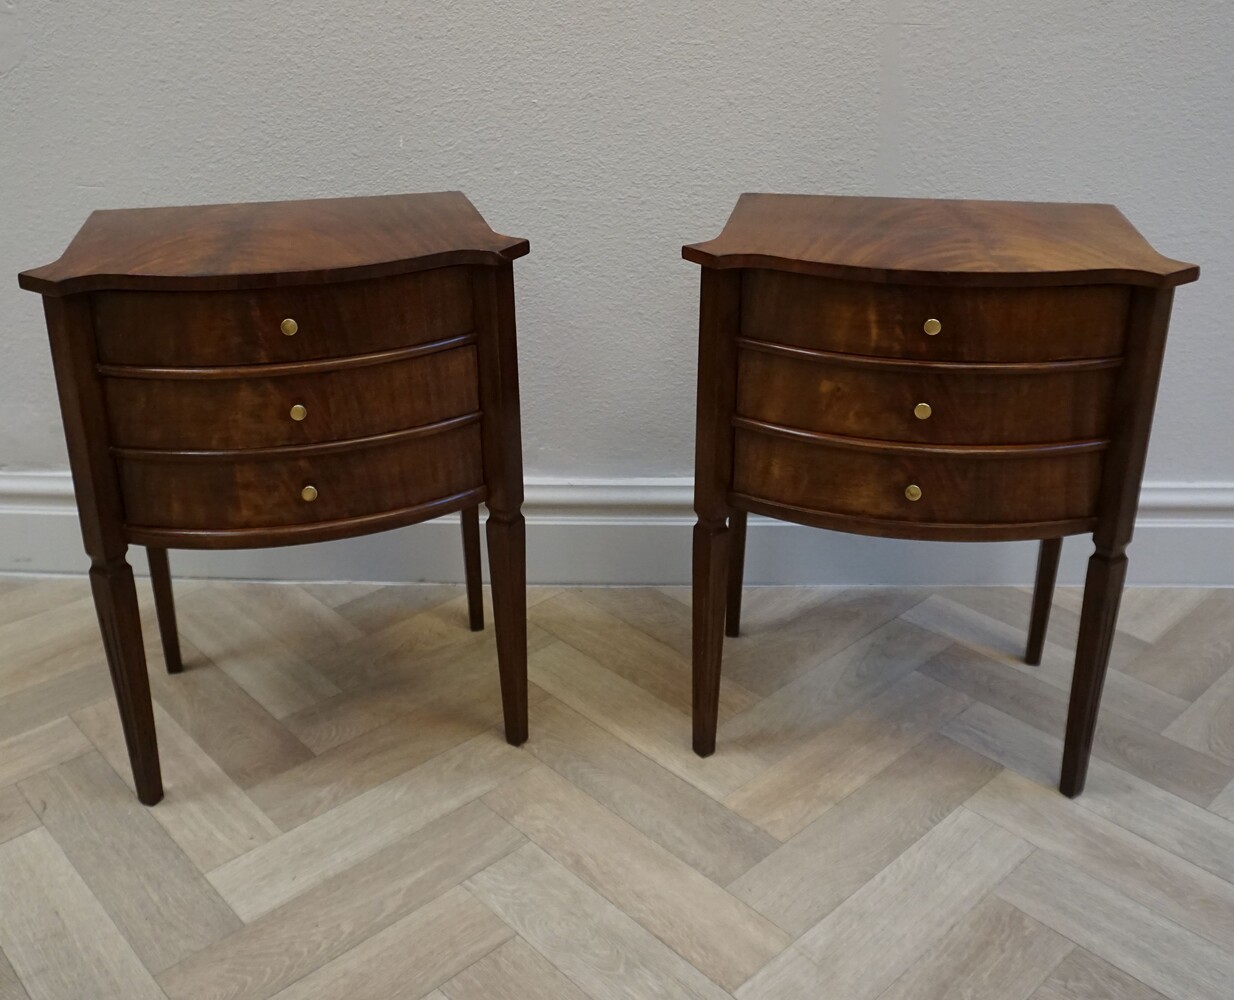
(610, 133)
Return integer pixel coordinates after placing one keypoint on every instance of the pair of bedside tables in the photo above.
(268, 374)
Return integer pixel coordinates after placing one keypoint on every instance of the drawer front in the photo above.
(975, 324)
(920, 403)
(186, 329)
(217, 494)
(229, 413)
(953, 490)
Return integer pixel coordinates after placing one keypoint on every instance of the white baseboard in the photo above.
(637, 531)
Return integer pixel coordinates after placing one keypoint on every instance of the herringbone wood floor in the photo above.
(343, 818)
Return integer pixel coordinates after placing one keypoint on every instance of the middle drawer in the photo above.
(925, 402)
(348, 398)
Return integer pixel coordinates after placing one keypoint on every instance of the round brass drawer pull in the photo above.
(308, 494)
(289, 327)
(298, 412)
(932, 327)
(921, 411)
(913, 492)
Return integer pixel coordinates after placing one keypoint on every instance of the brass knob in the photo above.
(932, 327)
(309, 494)
(921, 411)
(298, 412)
(289, 327)
(913, 491)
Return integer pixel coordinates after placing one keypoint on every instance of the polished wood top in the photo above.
(262, 244)
(918, 241)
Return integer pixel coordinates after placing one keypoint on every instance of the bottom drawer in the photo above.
(242, 491)
(990, 488)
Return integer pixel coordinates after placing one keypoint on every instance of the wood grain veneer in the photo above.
(186, 329)
(977, 488)
(938, 242)
(273, 243)
(256, 412)
(949, 370)
(981, 324)
(977, 404)
(264, 491)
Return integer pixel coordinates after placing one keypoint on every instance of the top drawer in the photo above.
(974, 324)
(187, 329)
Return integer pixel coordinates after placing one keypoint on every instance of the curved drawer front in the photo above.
(975, 324)
(920, 402)
(953, 489)
(255, 412)
(238, 491)
(184, 329)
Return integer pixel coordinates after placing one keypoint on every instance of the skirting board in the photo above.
(637, 531)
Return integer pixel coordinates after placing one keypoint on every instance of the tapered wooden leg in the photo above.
(115, 599)
(718, 326)
(470, 517)
(1103, 587)
(711, 544)
(503, 476)
(507, 563)
(1043, 598)
(736, 571)
(165, 608)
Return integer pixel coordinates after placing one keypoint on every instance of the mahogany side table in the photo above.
(952, 370)
(235, 376)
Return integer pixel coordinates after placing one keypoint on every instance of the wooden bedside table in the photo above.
(953, 370)
(235, 376)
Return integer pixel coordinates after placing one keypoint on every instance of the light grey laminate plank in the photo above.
(717, 934)
(16, 816)
(38, 749)
(286, 866)
(995, 951)
(156, 896)
(849, 844)
(293, 940)
(884, 928)
(787, 720)
(1151, 948)
(203, 810)
(1151, 875)
(1084, 976)
(801, 786)
(515, 971)
(594, 943)
(1157, 758)
(1199, 836)
(670, 811)
(410, 957)
(633, 714)
(55, 933)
